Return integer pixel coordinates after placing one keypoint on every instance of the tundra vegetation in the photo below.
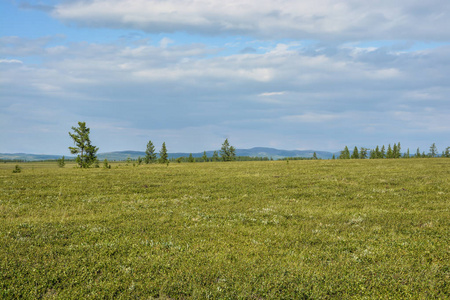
(310, 229)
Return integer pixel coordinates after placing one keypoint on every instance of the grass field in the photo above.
(252, 230)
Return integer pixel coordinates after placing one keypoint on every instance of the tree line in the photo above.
(390, 152)
(87, 153)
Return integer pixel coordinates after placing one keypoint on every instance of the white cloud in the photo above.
(269, 94)
(10, 61)
(322, 19)
(189, 95)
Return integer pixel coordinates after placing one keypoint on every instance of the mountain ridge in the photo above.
(123, 155)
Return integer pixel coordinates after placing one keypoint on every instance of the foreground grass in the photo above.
(307, 229)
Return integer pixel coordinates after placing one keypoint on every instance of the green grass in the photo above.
(304, 229)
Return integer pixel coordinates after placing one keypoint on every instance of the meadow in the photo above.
(315, 229)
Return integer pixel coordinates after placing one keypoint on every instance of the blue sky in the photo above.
(286, 74)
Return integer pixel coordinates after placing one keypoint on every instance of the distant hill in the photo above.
(123, 155)
(29, 157)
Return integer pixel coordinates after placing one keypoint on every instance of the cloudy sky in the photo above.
(288, 74)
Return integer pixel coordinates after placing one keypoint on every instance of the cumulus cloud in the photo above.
(317, 19)
(182, 92)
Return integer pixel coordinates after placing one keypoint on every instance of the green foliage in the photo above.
(191, 159)
(433, 150)
(150, 154)
(61, 162)
(87, 153)
(363, 153)
(382, 152)
(345, 154)
(389, 152)
(447, 152)
(17, 169)
(418, 155)
(355, 154)
(315, 229)
(106, 165)
(406, 154)
(227, 152)
(163, 156)
(205, 157)
(314, 155)
(215, 156)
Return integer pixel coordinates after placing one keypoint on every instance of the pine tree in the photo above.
(355, 154)
(205, 157)
(389, 152)
(150, 155)
(87, 153)
(163, 156)
(399, 148)
(447, 152)
(61, 162)
(382, 152)
(227, 152)
(215, 156)
(395, 151)
(345, 154)
(373, 154)
(377, 153)
(232, 153)
(191, 159)
(333, 157)
(417, 153)
(363, 153)
(314, 155)
(433, 150)
(406, 154)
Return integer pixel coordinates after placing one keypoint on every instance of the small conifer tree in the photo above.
(61, 162)
(150, 155)
(163, 156)
(355, 154)
(87, 153)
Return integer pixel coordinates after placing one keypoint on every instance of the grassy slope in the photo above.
(307, 229)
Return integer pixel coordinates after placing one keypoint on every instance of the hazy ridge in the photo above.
(123, 155)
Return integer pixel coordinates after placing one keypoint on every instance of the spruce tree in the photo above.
(399, 148)
(355, 154)
(163, 156)
(227, 152)
(363, 153)
(150, 155)
(389, 152)
(314, 155)
(87, 153)
(433, 150)
(395, 151)
(61, 162)
(191, 159)
(406, 154)
(377, 153)
(215, 156)
(345, 154)
(447, 152)
(382, 152)
(205, 157)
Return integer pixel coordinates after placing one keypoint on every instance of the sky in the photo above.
(287, 74)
